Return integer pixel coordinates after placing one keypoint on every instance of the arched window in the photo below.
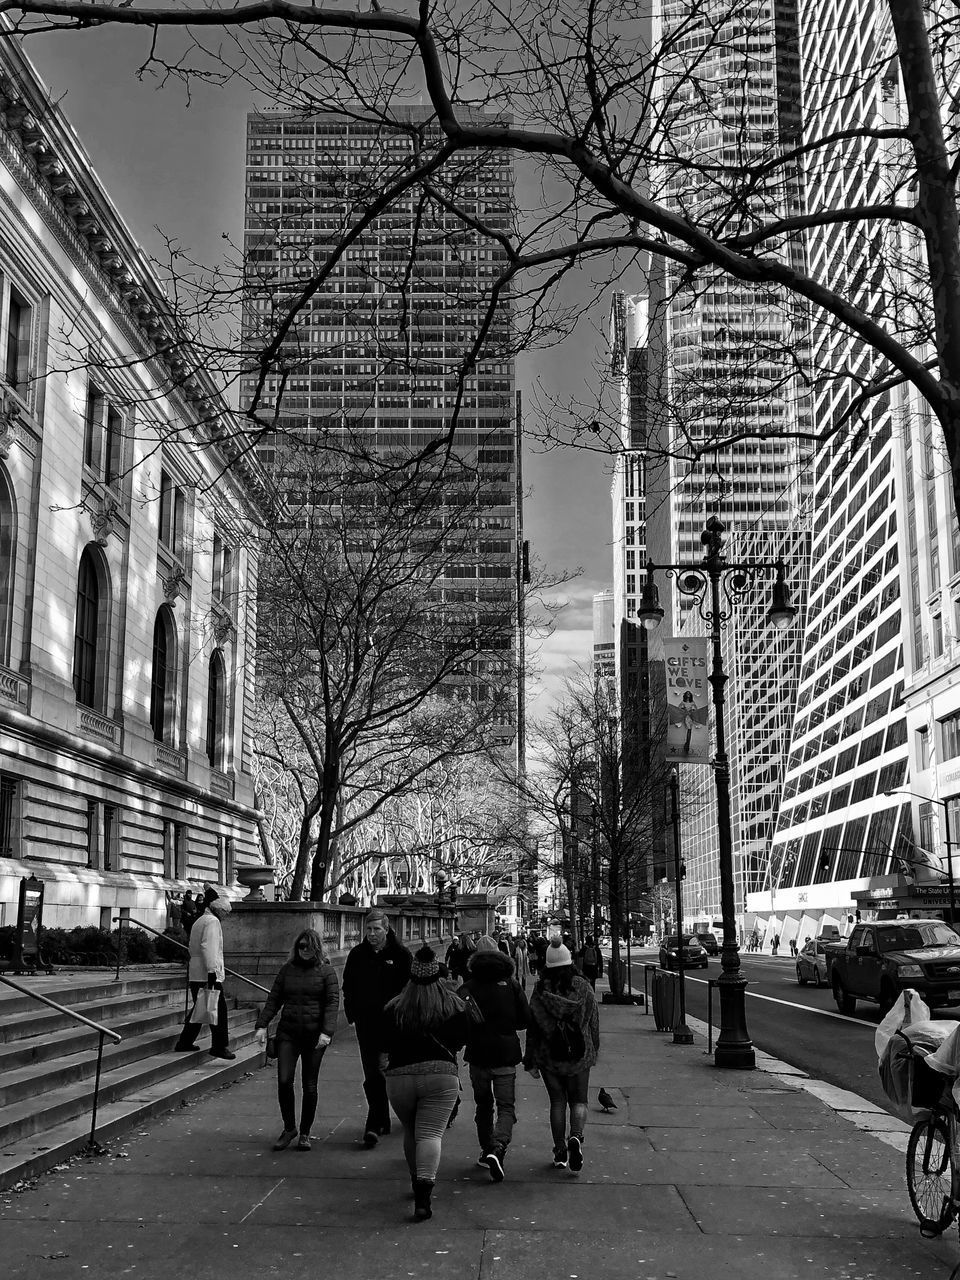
(8, 543)
(216, 690)
(163, 677)
(87, 635)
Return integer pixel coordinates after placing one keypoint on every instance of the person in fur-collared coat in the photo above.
(563, 1040)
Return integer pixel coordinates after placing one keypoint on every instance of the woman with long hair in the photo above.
(424, 1027)
(563, 1039)
(306, 994)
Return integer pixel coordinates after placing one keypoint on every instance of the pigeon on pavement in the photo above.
(606, 1101)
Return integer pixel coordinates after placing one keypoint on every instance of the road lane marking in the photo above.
(792, 1004)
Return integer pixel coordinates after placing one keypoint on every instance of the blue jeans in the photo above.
(494, 1085)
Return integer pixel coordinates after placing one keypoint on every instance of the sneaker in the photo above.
(495, 1164)
(303, 1142)
(560, 1158)
(575, 1153)
(285, 1139)
(185, 1048)
(226, 1054)
(482, 1160)
(370, 1139)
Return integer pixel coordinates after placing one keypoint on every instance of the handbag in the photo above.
(205, 1007)
(271, 1047)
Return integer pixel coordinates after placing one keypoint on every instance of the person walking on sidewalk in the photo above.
(521, 962)
(423, 1028)
(376, 970)
(775, 945)
(206, 968)
(306, 994)
(493, 1049)
(563, 1039)
(591, 961)
(458, 956)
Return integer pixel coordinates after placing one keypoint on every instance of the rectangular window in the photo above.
(16, 363)
(937, 629)
(222, 568)
(171, 514)
(950, 737)
(9, 815)
(179, 851)
(923, 748)
(92, 426)
(111, 829)
(102, 437)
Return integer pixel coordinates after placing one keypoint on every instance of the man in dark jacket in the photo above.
(493, 1049)
(376, 970)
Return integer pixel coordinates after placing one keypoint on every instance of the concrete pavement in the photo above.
(698, 1173)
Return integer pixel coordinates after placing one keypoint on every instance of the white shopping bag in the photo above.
(205, 1008)
(907, 1008)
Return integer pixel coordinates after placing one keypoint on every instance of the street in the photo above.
(801, 1025)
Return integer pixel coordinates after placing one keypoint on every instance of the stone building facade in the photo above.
(127, 557)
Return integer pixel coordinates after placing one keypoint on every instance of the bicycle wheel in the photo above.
(928, 1174)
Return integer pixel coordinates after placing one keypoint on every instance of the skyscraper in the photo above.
(727, 94)
(879, 697)
(726, 97)
(394, 348)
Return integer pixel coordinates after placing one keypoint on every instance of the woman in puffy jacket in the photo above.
(306, 994)
(563, 1039)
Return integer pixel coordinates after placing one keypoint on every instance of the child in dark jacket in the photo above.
(307, 995)
(493, 1049)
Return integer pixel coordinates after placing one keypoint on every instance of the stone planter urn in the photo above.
(254, 878)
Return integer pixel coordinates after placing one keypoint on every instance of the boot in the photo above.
(422, 1190)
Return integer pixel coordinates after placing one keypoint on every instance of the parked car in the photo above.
(709, 943)
(880, 960)
(694, 956)
(812, 964)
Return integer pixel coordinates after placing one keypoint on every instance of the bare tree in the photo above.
(461, 818)
(587, 97)
(601, 781)
(376, 664)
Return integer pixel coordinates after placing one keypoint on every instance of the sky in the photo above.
(178, 165)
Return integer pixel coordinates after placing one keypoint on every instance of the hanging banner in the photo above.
(688, 700)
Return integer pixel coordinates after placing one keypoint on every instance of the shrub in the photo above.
(167, 949)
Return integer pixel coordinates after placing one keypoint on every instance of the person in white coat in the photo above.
(206, 969)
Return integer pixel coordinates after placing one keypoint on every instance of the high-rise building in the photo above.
(879, 697)
(394, 348)
(727, 91)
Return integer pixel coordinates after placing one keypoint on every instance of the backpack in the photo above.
(590, 957)
(565, 1042)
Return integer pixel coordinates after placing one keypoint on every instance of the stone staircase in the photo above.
(48, 1061)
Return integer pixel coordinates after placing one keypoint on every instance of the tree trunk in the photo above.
(615, 968)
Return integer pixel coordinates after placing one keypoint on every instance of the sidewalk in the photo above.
(698, 1174)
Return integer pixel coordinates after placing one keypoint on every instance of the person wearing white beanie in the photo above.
(563, 1040)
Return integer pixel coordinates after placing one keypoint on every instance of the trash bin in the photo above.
(666, 999)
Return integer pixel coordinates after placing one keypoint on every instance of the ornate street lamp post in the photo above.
(702, 583)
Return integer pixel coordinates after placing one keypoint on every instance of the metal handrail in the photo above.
(122, 920)
(101, 1030)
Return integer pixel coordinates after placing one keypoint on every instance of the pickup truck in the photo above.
(880, 960)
